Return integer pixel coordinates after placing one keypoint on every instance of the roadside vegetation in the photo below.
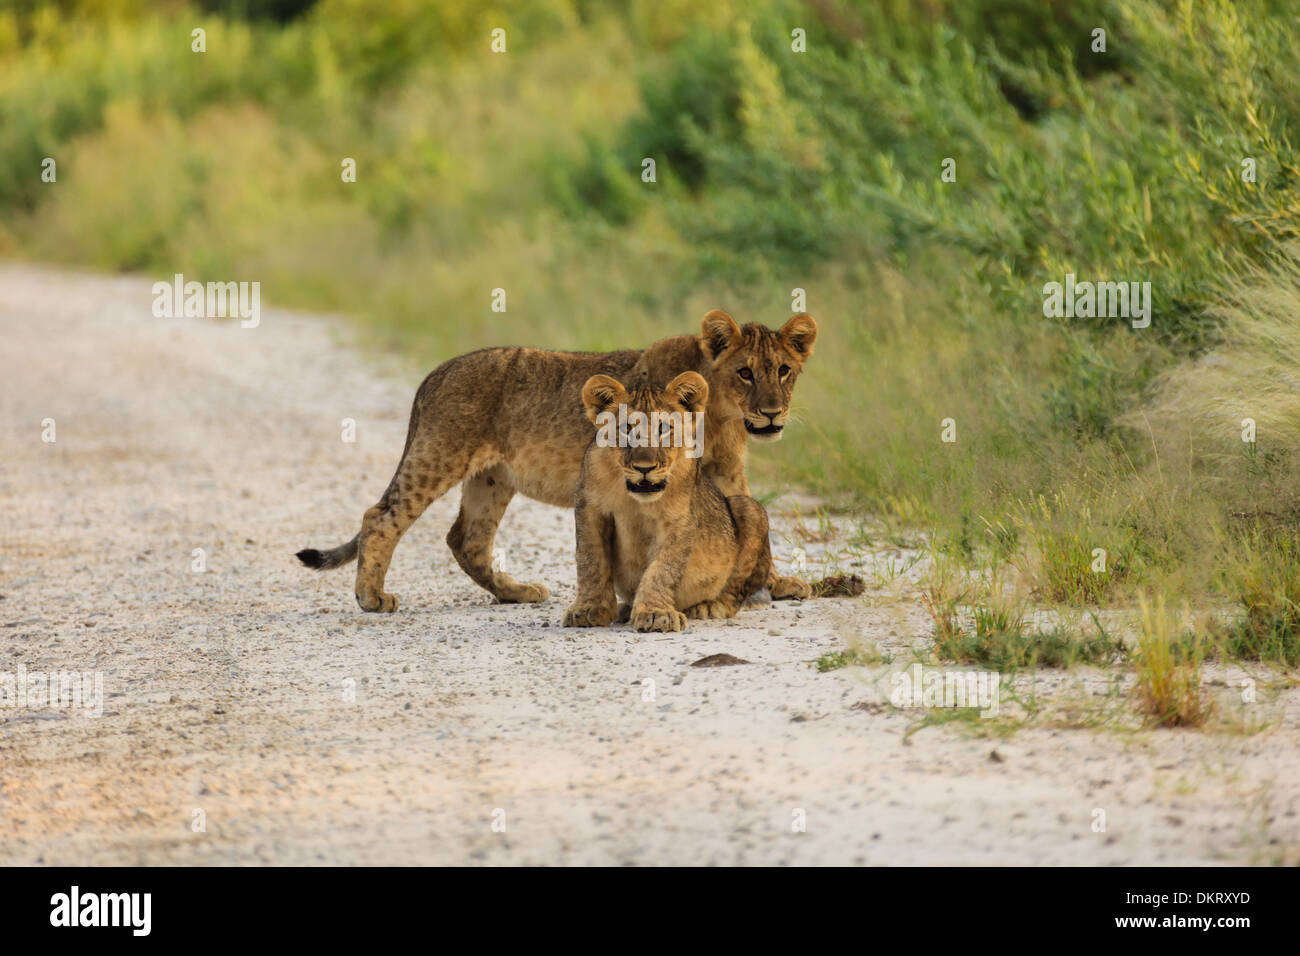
(1095, 465)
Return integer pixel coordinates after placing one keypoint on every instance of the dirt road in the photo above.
(251, 714)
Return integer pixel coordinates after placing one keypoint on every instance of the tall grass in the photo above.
(1168, 664)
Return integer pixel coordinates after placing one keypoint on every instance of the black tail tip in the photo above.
(312, 558)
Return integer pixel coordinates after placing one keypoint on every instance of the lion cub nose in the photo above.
(644, 469)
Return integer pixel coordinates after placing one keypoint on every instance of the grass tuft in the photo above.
(1168, 662)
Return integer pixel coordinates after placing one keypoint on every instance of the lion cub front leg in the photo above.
(654, 607)
(595, 604)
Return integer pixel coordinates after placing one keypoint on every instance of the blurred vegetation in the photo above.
(776, 170)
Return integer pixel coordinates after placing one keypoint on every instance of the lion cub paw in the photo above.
(517, 593)
(710, 610)
(791, 589)
(658, 619)
(382, 603)
(588, 615)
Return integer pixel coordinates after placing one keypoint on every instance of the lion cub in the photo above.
(652, 529)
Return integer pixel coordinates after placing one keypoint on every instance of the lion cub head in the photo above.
(646, 434)
(755, 368)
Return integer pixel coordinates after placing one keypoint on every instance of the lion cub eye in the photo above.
(783, 371)
(746, 375)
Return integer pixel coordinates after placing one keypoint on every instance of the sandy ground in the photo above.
(251, 713)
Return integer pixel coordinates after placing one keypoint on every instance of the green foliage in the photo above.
(1267, 585)
(852, 657)
(980, 621)
(775, 170)
(1008, 649)
(688, 101)
(280, 10)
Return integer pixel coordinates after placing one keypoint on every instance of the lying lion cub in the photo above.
(652, 528)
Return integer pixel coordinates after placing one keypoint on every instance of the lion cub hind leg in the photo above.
(779, 587)
(753, 564)
(710, 610)
(658, 619)
(437, 456)
(382, 526)
(788, 588)
(483, 500)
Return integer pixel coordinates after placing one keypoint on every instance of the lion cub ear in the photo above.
(690, 390)
(600, 394)
(799, 334)
(718, 332)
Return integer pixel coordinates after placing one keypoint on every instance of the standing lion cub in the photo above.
(657, 542)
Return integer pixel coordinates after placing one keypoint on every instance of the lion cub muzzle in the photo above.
(645, 479)
(645, 489)
(768, 427)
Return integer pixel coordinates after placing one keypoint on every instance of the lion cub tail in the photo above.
(840, 585)
(334, 558)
